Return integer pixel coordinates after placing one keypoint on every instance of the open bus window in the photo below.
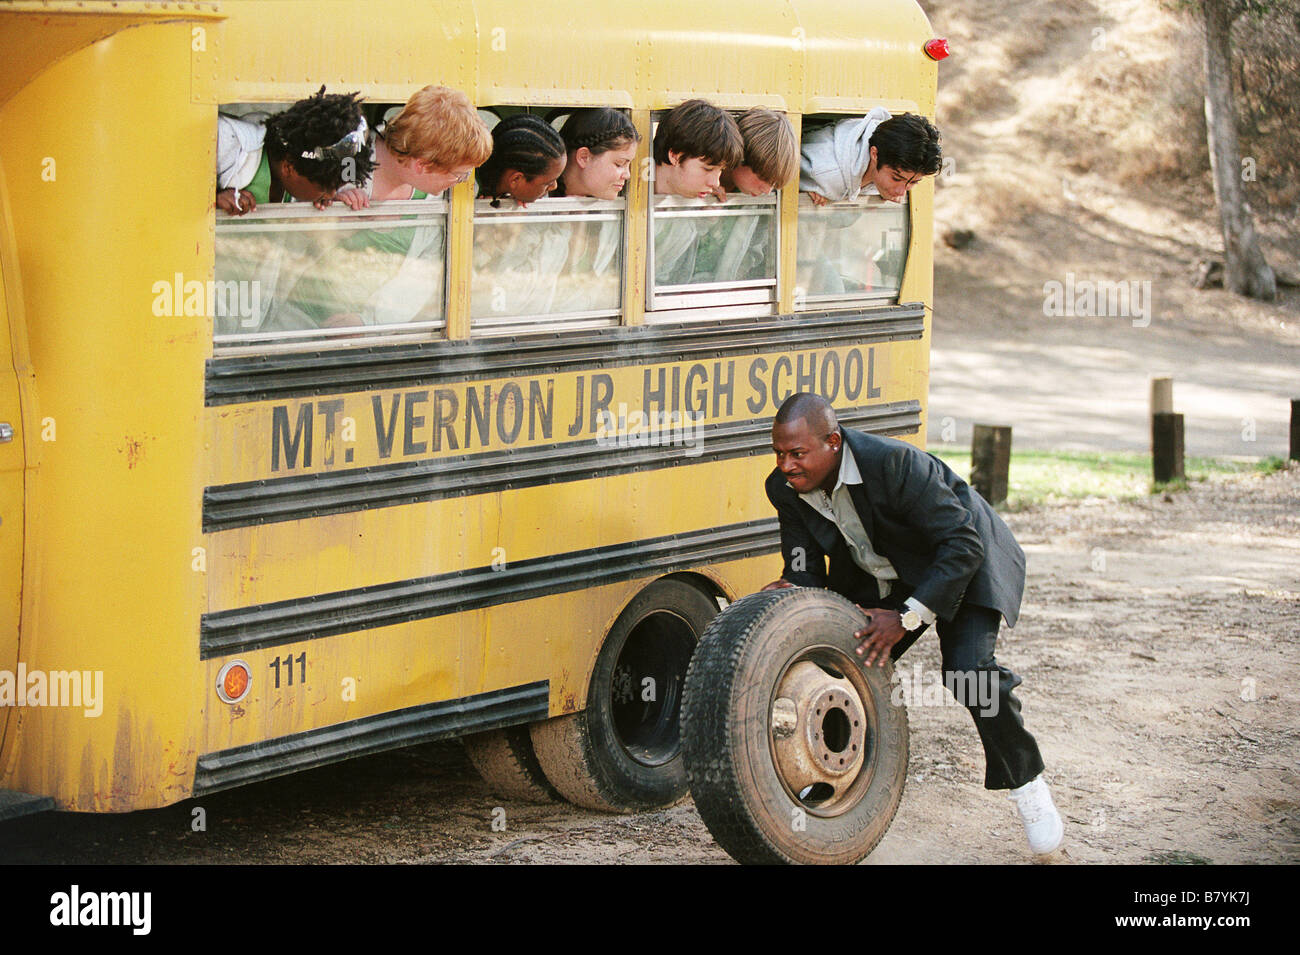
(557, 264)
(849, 252)
(317, 278)
(704, 255)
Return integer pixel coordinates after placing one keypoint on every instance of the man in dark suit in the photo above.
(896, 531)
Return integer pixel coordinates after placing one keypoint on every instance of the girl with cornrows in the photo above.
(527, 158)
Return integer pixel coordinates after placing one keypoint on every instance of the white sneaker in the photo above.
(1042, 822)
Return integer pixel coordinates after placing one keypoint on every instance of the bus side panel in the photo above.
(12, 475)
(546, 571)
(347, 604)
(110, 183)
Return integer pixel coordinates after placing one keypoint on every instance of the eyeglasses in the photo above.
(429, 168)
(348, 146)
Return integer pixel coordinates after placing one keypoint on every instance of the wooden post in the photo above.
(1162, 395)
(990, 461)
(1167, 447)
(1295, 429)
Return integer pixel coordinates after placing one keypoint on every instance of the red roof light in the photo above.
(937, 49)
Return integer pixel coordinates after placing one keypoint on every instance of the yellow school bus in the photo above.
(236, 543)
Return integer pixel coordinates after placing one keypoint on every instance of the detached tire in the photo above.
(623, 752)
(794, 751)
(507, 763)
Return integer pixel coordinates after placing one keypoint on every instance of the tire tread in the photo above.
(508, 764)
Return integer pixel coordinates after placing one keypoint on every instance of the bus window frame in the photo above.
(805, 302)
(552, 209)
(704, 301)
(402, 213)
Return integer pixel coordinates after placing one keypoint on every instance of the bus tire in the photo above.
(795, 752)
(506, 761)
(623, 752)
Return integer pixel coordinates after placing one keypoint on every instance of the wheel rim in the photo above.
(822, 730)
(646, 715)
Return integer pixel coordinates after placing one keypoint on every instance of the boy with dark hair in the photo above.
(694, 143)
(876, 154)
(305, 153)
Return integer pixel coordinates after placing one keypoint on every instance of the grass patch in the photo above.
(1046, 477)
(1176, 857)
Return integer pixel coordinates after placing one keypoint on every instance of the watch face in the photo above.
(911, 620)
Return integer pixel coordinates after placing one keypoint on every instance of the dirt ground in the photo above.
(1160, 647)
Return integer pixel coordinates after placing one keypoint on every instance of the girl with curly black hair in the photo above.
(307, 152)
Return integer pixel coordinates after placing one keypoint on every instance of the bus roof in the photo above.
(802, 56)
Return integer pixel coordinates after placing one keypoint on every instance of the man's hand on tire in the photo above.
(884, 629)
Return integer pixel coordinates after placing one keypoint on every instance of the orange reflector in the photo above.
(937, 49)
(232, 684)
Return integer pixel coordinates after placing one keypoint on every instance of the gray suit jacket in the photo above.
(947, 544)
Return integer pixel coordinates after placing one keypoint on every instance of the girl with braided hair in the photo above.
(307, 152)
(527, 158)
(601, 145)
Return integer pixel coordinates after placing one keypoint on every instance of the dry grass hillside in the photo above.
(1077, 138)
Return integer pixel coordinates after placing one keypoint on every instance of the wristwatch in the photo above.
(910, 619)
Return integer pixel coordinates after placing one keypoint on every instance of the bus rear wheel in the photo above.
(796, 753)
(624, 751)
(506, 761)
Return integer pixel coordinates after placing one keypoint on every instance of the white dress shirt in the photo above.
(838, 508)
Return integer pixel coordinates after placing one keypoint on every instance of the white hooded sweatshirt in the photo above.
(833, 159)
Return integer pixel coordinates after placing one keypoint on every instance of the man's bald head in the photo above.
(814, 409)
(807, 442)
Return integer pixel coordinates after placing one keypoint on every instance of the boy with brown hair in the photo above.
(771, 158)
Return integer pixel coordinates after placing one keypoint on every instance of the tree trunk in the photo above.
(1247, 271)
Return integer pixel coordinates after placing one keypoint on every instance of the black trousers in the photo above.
(984, 687)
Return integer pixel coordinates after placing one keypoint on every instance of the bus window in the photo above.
(306, 278)
(704, 254)
(850, 252)
(556, 265)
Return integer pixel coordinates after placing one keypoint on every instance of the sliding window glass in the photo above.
(288, 276)
(558, 264)
(850, 252)
(704, 254)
